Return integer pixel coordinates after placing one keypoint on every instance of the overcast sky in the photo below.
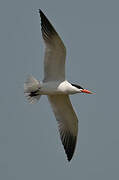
(30, 147)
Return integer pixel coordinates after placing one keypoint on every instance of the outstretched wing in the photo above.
(67, 122)
(55, 51)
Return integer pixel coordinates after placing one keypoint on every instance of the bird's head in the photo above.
(82, 90)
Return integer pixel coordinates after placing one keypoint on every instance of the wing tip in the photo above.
(46, 27)
(41, 13)
(39, 10)
(71, 150)
(69, 144)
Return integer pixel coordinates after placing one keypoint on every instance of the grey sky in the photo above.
(30, 146)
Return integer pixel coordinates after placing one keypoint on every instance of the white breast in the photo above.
(67, 88)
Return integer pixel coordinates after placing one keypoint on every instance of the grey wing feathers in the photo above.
(67, 122)
(55, 51)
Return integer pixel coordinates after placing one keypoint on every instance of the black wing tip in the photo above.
(46, 27)
(70, 151)
(69, 158)
(69, 145)
(41, 13)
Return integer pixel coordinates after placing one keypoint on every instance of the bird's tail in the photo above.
(31, 89)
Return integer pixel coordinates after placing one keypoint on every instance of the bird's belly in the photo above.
(51, 91)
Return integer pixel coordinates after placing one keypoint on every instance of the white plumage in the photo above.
(56, 87)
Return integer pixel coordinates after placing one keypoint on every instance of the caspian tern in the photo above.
(56, 87)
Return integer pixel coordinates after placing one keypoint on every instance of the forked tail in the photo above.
(31, 89)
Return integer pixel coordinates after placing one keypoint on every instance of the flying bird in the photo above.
(56, 87)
